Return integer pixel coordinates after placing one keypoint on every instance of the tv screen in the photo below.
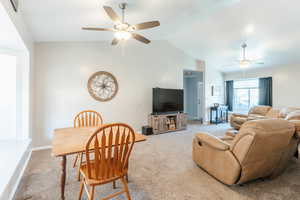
(167, 100)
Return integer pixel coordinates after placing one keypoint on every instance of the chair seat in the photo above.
(94, 180)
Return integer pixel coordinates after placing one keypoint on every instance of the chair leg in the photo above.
(114, 185)
(75, 161)
(127, 179)
(126, 188)
(81, 190)
(80, 161)
(91, 193)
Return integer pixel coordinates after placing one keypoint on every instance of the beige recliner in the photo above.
(261, 149)
(256, 112)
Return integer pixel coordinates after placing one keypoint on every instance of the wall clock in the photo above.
(103, 86)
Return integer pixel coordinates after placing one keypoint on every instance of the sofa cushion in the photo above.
(273, 113)
(285, 111)
(259, 110)
(294, 115)
(255, 117)
(240, 120)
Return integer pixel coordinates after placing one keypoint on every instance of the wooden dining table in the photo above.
(70, 141)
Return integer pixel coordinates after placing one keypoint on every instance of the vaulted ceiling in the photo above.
(212, 30)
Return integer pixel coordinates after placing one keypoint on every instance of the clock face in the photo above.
(102, 86)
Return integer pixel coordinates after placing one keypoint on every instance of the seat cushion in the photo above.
(97, 180)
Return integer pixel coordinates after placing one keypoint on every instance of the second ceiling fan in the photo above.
(123, 30)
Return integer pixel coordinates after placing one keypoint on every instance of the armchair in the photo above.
(256, 112)
(261, 149)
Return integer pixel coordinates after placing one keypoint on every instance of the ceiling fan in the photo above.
(245, 62)
(123, 30)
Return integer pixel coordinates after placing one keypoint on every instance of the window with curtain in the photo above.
(245, 95)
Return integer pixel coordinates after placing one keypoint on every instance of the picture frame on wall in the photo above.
(216, 90)
(15, 4)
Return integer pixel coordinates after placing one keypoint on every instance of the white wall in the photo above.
(24, 66)
(213, 77)
(63, 69)
(25, 52)
(286, 80)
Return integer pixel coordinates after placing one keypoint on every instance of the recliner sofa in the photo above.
(262, 148)
(264, 112)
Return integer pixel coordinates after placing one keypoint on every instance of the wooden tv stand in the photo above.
(163, 123)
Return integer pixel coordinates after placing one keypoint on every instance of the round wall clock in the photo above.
(102, 86)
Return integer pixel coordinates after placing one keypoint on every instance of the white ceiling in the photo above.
(212, 30)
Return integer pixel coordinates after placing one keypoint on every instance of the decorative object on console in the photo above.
(216, 104)
(15, 4)
(172, 125)
(122, 30)
(102, 86)
(218, 114)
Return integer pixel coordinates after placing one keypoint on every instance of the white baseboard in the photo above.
(41, 148)
(15, 188)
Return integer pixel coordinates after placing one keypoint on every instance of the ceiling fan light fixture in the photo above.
(121, 26)
(123, 35)
(244, 64)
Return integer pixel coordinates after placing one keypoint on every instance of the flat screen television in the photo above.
(167, 100)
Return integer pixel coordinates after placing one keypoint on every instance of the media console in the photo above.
(163, 123)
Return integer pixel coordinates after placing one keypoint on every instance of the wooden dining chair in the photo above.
(86, 118)
(112, 146)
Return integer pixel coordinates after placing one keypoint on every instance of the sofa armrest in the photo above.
(297, 126)
(212, 141)
(239, 115)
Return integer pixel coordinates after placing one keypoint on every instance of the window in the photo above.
(8, 97)
(245, 95)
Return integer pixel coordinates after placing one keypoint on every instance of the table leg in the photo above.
(210, 116)
(63, 177)
(217, 117)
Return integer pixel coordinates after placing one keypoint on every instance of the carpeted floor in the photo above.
(160, 169)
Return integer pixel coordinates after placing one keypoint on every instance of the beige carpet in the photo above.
(160, 169)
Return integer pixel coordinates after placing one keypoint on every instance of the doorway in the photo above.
(193, 85)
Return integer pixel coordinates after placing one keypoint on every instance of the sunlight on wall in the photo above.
(7, 97)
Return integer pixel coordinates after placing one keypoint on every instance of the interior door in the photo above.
(200, 97)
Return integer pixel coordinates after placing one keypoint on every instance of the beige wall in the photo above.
(286, 82)
(62, 71)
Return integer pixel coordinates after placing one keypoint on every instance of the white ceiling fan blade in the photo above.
(112, 14)
(230, 65)
(259, 63)
(97, 29)
(147, 25)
